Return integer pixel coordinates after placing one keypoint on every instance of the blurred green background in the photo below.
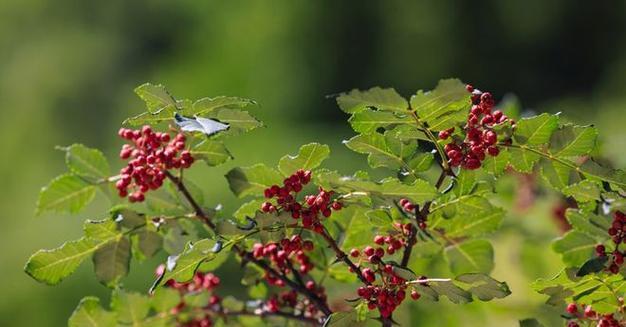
(68, 67)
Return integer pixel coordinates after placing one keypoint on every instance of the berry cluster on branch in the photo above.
(480, 135)
(288, 257)
(150, 154)
(588, 316)
(310, 209)
(390, 291)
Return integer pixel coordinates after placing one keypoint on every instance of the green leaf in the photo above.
(103, 230)
(393, 188)
(379, 153)
(472, 256)
(454, 293)
(343, 319)
(421, 162)
(165, 114)
(206, 105)
(523, 160)
(585, 191)
(66, 193)
(379, 98)
(599, 289)
(111, 261)
(189, 260)
(496, 165)
(131, 308)
(239, 121)
(248, 209)
(164, 299)
(252, 180)
(445, 106)
(588, 223)
(51, 266)
(89, 313)
(575, 247)
(483, 219)
(310, 156)
(536, 130)
(368, 121)
(594, 265)
(465, 182)
(86, 162)
(570, 141)
(148, 242)
(156, 97)
(557, 174)
(357, 231)
(484, 287)
(214, 153)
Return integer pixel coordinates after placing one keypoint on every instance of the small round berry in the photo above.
(572, 308)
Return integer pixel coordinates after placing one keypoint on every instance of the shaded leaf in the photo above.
(111, 261)
(130, 307)
(472, 256)
(212, 152)
(89, 313)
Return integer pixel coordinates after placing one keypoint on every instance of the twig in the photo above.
(321, 304)
(342, 256)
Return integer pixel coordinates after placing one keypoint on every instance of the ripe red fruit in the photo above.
(378, 239)
(572, 308)
(354, 253)
(415, 295)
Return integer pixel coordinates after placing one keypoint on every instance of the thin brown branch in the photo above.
(420, 215)
(321, 304)
(342, 256)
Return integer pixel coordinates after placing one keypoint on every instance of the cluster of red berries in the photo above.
(387, 295)
(150, 154)
(201, 282)
(589, 315)
(285, 256)
(480, 136)
(617, 231)
(310, 209)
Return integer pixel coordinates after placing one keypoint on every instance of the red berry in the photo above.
(572, 308)
(354, 253)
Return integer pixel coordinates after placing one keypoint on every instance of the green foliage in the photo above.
(66, 193)
(456, 214)
(309, 157)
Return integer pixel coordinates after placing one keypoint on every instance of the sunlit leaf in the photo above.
(310, 156)
(536, 130)
(66, 193)
(86, 162)
(252, 180)
(443, 107)
(376, 97)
